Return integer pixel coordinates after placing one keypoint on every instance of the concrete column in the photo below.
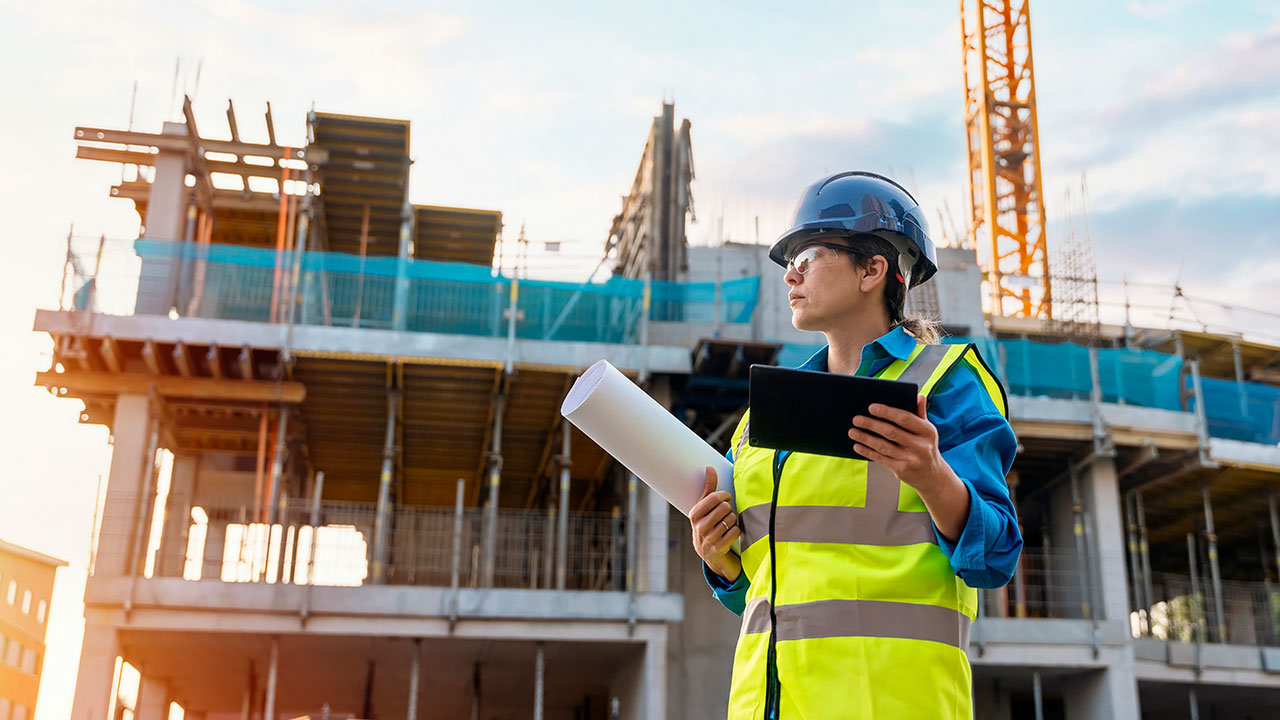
(153, 699)
(1108, 694)
(124, 486)
(166, 218)
(273, 670)
(1101, 490)
(98, 651)
(651, 565)
(177, 517)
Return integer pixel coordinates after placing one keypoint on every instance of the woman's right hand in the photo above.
(715, 527)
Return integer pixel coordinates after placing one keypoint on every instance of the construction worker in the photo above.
(856, 577)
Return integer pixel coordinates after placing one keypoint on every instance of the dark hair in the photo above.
(925, 329)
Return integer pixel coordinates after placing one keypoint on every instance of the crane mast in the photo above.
(1006, 202)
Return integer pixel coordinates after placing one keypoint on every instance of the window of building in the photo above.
(4, 709)
(13, 652)
(41, 609)
(28, 661)
(26, 602)
(19, 711)
(13, 591)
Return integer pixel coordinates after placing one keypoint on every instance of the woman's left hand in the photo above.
(907, 443)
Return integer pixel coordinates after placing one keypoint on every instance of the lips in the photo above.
(792, 297)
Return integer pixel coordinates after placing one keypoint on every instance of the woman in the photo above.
(856, 579)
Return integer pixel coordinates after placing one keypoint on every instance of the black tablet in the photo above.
(811, 412)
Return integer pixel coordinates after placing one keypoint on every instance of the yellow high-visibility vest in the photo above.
(851, 598)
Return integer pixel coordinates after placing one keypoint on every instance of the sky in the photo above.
(1166, 111)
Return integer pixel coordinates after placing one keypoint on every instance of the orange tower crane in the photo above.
(1006, 202)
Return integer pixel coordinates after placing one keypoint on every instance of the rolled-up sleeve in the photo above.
(979, 445)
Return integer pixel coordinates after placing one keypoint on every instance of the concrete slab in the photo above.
(316, 340)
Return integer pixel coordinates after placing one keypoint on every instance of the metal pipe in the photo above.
(549, 547)
(277, 465)
(269, 708)
(1038, 694)
(400, 300)
(1019, 582)
(562, 528)
(1215, 573)
(381, 521)
(457, 552)
(645, 304)
(539, 673)
(1194, 702)
(415, 668)
(632, 506)
(1275, 530)
(495, 482)
(1202, 421)
(512, 308)
(1238, 362)
(1198, 600)
(1144, 549)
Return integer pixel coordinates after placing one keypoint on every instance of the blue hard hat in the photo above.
(857, 203)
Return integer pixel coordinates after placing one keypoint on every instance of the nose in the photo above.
(792, 276)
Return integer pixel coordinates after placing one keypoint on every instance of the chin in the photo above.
(800, 322)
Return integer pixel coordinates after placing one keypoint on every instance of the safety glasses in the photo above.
(815, 253)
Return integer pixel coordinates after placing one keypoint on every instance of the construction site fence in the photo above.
(1184, 609)
(149, 276)
(229, 544)
(1235, 410)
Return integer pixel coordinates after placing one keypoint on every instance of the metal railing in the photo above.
(1184, 610)
(149, 276)
(226, 544)
(1046, 584)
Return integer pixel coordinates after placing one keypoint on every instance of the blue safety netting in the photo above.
(1241, 410)
(238, 283)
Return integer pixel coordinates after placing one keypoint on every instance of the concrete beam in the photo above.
(88, 382)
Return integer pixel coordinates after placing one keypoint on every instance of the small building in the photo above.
(26, 591)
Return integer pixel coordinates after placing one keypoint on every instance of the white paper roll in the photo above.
(643, 436)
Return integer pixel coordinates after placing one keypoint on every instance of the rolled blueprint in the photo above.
(642, 435)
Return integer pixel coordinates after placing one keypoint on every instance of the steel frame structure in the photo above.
(1006, 218)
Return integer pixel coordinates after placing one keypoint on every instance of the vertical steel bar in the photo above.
(1135, 570)
(381, 521)
(1238, 362)
(315, 527)
(456, 560)
(277, 465)
(1196, 597)
(67, 264)
(549, 547)
(400, 298)
(632, 554)
(512, 308)
(1144, 549)
(1202, 420)
(415, 669)
(1193, 701)
(538, 680)
(495, 482)
(1275, 529)
(645, 303)
(269, 709)
(1038, 694)
(562, 529)
(1215, 573)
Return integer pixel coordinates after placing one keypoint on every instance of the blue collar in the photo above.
(897, 342)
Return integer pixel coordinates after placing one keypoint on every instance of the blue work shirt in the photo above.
(979, 445)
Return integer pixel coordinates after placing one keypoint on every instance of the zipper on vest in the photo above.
(771, 686)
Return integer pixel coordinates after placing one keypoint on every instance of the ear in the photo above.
(875, 271)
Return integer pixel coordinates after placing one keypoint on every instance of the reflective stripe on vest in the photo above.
(860, 618)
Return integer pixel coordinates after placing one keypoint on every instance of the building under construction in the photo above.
(341, 486)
